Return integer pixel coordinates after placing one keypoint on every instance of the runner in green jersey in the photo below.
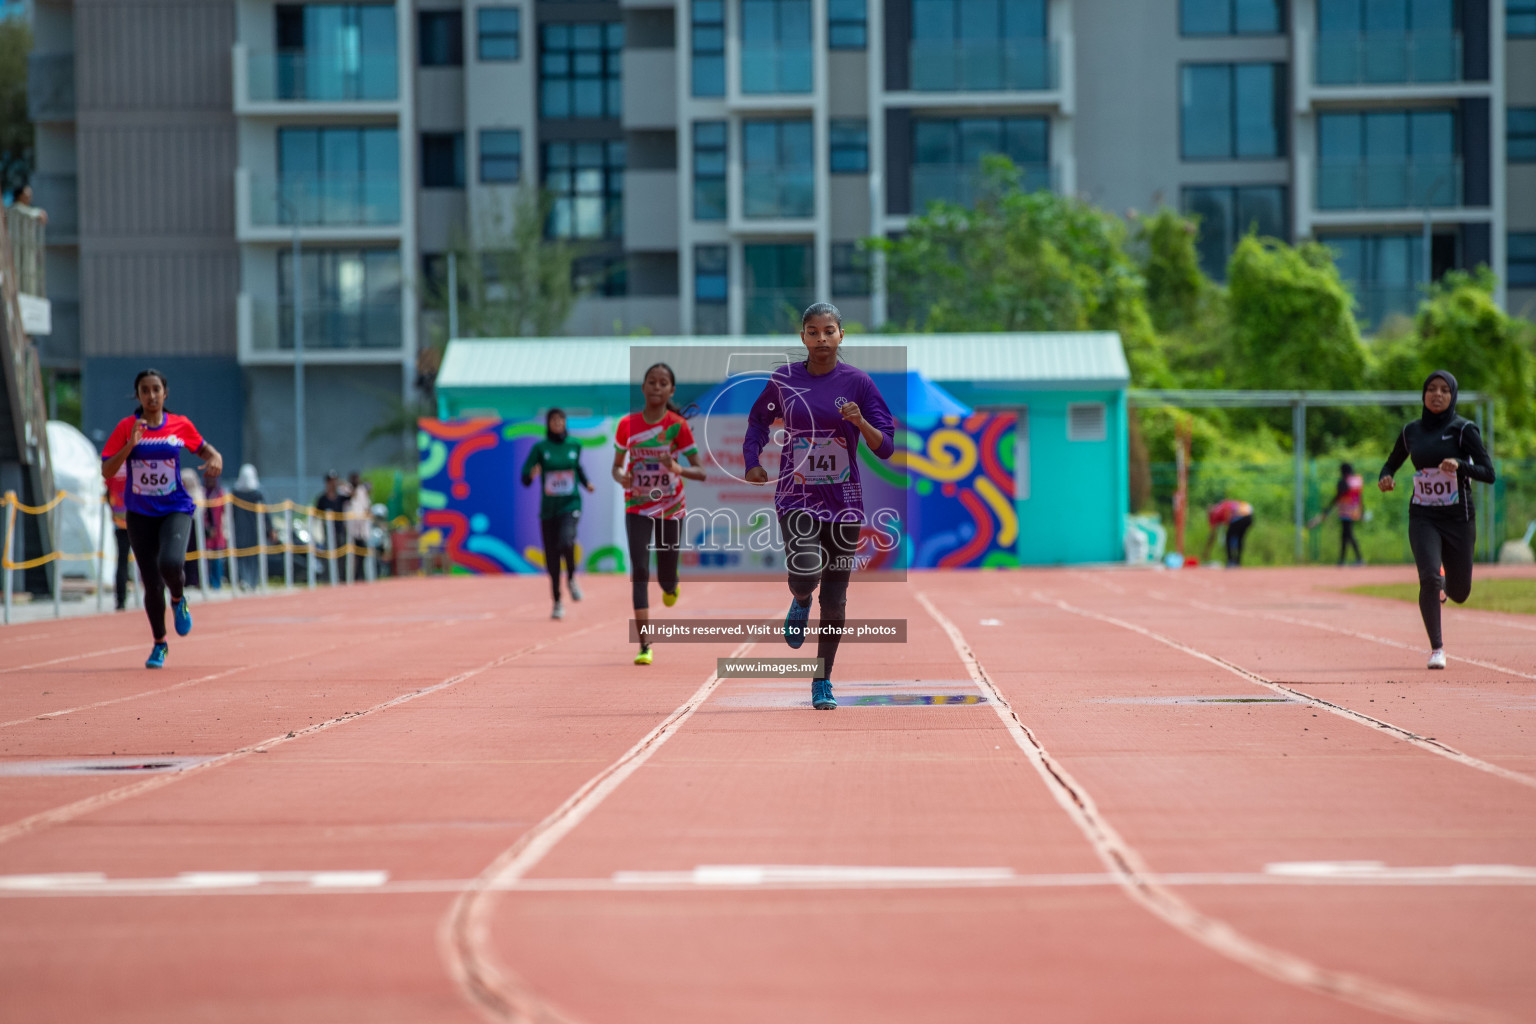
(557, 461)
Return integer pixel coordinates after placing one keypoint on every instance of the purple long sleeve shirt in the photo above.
(819, 468)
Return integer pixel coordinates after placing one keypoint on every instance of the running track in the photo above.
(424, 801)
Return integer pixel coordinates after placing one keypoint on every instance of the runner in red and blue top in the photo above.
(826, 407)
(159, 509)
(1349, 499)
(645, 462)
(1238, 516)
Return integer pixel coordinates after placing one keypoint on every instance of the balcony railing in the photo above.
(302, 76)
(324, 201)
(770, 71)
(784, 194)
(59, 195)
(1370, 58)
(328, 326)
(28, 237)
(983, 65)
(51, 87)
(776, 310)
(1389, 186)
(962, 183)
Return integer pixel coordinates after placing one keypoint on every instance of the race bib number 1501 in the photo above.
(1435, 487)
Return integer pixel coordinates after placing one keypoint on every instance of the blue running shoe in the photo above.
(821, 695)
(794, 623)
(183, 616)
(157, 656)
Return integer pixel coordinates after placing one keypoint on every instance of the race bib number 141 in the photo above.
(820, 461)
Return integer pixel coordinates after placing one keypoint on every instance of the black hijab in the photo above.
(555, 438)
(1438, 420)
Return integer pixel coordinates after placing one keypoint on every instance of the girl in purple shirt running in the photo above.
(826, 407)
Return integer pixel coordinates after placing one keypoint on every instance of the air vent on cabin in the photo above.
(1085, 422)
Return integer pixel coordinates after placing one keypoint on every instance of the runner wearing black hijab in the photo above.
(1447, 453)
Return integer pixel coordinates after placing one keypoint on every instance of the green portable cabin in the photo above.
(1071, 454)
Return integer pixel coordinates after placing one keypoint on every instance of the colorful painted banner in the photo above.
(945, 499)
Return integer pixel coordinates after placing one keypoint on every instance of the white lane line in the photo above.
(71, 811)
(1430, 744)
(1138, 881)
(1327, 627)
(464, 938)
(754, 877)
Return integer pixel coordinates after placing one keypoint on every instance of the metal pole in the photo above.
(58, 563)
(1299, 451)
(288, 547)
(1428, 249)
(232, 566)
(1492, 491)
(351, 555)
(202, 550)
(10, 546)
(330, 550)
(310, 560)
(298, 362)
(101, 554)
(453, 295)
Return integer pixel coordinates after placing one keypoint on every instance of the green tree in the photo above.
(516, 282)
(1177, 290)
(1292, 319)
(15, 126)
(1020, 261)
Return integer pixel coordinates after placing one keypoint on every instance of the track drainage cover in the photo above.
(1195, 700)
(100, 766)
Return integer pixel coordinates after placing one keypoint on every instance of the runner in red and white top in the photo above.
(159, 509)
(647, 446)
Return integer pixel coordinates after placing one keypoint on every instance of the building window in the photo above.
(775, 46)
(1387, 159)
(579, 70)
(1521, 272)
(336, 176)
(1384, 272)
(780, 284)
(1229, 17)
(440, 35)
(587, 180)
(947, 155)
(501, 33)
(351, 298)
(711, 278)
(850, 270)
(328, 52)
(501, 156)
(979, 45)
(607, 276)
(442, 159)
(1227, 214)
(849, 146)
(847, 28)
(777, 169)
(709, 141)
(1387, 41)
(1520, 137)
(708, 47)
(1231, 112)
(1519, 18)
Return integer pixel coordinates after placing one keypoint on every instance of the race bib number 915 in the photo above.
(154, 478)
(559, 482)
(1435, 487)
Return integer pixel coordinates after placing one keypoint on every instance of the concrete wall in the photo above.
(205, 389)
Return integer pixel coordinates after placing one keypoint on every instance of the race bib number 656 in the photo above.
(154, 477)
(1435, 487)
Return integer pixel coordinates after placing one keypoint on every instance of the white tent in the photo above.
(77, 470)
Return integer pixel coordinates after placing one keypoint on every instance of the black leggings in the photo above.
(1441, 542)
(1237, 529)
(121, 532)
(817, 551)
(1347, 540)
(160, 547)
(644, 533)
(559, 548)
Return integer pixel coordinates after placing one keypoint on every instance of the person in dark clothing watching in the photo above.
(1448, 454)
(332, 531)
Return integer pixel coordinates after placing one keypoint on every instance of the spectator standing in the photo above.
(215, 531)
(248, 492)
(332, 501)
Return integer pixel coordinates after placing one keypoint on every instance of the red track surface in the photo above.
(506, 771)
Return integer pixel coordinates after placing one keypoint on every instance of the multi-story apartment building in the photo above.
(717, 161)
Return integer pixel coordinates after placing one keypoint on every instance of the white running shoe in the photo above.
(1437, 658)
(575, 590)
(558, 612)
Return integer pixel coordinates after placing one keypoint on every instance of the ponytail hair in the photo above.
(692, 408)
(138, 410)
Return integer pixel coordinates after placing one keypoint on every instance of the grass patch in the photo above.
(1517, 596)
